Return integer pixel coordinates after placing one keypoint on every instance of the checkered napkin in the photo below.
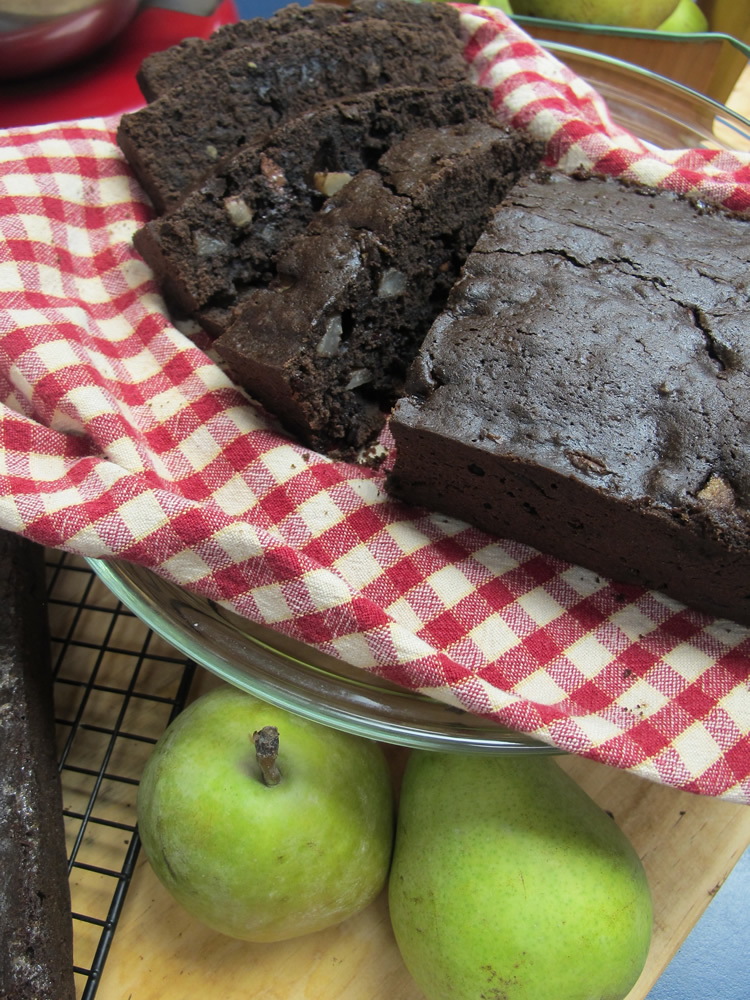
(554, 105)
(122, 438)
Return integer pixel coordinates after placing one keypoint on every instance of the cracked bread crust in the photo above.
(587, 389)
(161, 71)
(37, 928)
(210, 252)
(179, 139)
(326, 346)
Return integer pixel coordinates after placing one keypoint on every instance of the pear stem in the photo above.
(266, 742)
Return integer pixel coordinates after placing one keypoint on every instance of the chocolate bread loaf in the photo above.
(325, 347)
(213, 249)
(173, 143)
(161, 71)
(35, 919)
(587, 389)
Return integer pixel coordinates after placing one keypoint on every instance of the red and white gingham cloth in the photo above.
(120, 437)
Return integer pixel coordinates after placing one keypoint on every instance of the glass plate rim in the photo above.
(560, 49)
(477, 735)
(686, 38)
(454, 730)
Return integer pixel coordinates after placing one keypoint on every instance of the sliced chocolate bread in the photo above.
(212, 250)
(173, 143)
(161, 71)
(36, 927)
(326, 346)
(587, 389)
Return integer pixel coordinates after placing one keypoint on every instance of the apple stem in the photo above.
(266, 742)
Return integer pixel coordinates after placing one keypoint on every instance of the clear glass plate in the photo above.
(319, 687)
(667, 114)
(285, 672)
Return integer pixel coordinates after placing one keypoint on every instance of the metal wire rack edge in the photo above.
(67, 624)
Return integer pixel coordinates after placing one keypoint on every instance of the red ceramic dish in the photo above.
(31, 44)
(104, 83)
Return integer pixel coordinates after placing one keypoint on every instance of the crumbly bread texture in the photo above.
(587, 389)
(36, 928)
(210, 252)
(175, 142)
(326, 345)
(161, 71)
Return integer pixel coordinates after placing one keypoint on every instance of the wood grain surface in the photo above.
(739, 98)
(688, 844)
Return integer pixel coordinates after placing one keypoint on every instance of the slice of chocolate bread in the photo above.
(325, 347)
(213, 249)
(587, 390)
(36, 954)
(161, 71)
(173, 143)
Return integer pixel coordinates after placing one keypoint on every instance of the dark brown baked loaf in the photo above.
(173, 143)
(161, 71)
(587, 390)
(213, 249)
(35, 918)
(325, 347)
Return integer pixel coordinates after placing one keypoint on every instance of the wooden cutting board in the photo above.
(688, 844)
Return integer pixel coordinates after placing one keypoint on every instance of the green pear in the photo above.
(502, 4)
(263, 825)
(685, 18)
(622, 13)
(509, 883)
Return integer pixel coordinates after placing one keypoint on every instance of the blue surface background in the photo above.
(714, 961)
(262, 8)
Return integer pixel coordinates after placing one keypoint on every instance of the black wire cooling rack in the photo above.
(117, 687)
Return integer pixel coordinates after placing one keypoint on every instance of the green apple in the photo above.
(254, 859)
(686, 17)
(509, 882)
(622, 13)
